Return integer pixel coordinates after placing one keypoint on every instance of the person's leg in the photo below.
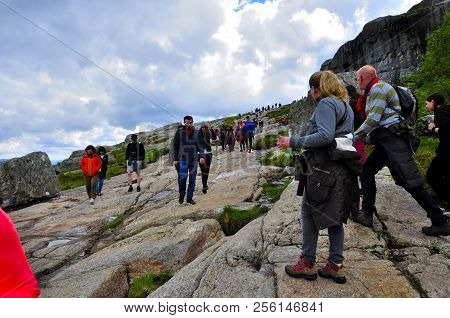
(203, 169)
(93, 186)
(438, 179)
(336, 238)
(130, 180)
(310, 233)
(100, 185)
(192, 166)
(87, 182)
(182, 177)
(374, 163)
(304, 268)
(425, 200)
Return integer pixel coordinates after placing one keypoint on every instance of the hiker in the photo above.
(206, 136)
(90, 165)
(438, 173)
(230, 137)
(104, 168)
(16, 277)
(135, 155)
(217, 139)
(359, 117)
(249, 134)
(392, 142)
(328, 195)
(239, 134)
(222, 137)
(189, 150)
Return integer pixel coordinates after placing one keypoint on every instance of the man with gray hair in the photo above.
(392, 148)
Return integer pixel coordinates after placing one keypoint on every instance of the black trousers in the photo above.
(205, 169)
(374, 163)
(438, 177)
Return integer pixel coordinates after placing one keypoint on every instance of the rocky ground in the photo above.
(74, 252)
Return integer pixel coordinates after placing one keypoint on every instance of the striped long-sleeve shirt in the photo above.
(382, 108)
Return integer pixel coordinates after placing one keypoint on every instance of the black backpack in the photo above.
(408, 104)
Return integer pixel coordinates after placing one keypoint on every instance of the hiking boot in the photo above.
(363, 218)
(92, 201)
(332, 271)
(437, 230)
(181, 199)
(138, 189)
(301, 269)
(205, 190)
(130, 188)
(99, 194)
(190, 201)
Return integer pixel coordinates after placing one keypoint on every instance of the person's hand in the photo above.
(283, 142)
(202, 161)
(175, 163)
(431, 126)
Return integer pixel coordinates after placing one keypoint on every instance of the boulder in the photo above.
(25, 179)
(392, 44)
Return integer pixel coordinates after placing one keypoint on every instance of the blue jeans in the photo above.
(100, 184)
(187, 168)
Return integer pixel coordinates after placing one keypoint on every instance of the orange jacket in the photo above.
(91, 165)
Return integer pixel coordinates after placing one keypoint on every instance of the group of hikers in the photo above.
(332, 160)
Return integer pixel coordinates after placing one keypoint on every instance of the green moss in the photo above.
(146, 284)
(115, 223)
(71, 179)
(267, 142)
(153, 155)
(426, 153)
(284, 159)
(274, 191)
(279, 112)
(234, 219)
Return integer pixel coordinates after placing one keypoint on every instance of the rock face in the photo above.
(251, 263)
(25, 179)
(76, 252)
(392, 44)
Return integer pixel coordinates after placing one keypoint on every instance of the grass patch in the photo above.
(71, 179)
(115, 223)
(267, 142)
(426, 153)
(274, 191)
(153, 155)
(234, 219)
(155, 139)
(284, 159)
(280, 112)
(146, 284)
(230, 121)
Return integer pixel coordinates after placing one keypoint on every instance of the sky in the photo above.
(78, 72)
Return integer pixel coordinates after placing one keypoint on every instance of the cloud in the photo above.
(203, 58)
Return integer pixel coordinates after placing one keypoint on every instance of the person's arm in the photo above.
(442, 121)
(141, 152)
(325, 117)
(200, 143)
(376, 105)
(176, 147)
(127, 153)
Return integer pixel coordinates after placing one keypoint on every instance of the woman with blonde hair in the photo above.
(329, 194)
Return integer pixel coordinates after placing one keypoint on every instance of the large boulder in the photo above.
(392, 44)
(25, 179)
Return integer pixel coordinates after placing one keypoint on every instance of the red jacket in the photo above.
(16, 277)
(91, 165)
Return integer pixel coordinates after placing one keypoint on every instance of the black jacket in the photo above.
(135, 153)
(207, 136)
(104, 168)
(330, 183)
(442, 121)
(188, 146)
